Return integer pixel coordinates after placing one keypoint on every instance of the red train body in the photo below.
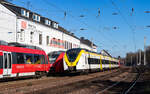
(56, 61)
(19, 61)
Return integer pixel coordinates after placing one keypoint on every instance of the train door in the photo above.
(7, 63)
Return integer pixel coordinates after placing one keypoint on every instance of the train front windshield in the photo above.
(53, 56)
(72, 54)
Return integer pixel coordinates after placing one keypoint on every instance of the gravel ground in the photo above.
(46, 85)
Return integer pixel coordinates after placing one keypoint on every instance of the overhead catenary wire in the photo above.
(65, 13)
(76, 19)
(92, 28)
(125, 20)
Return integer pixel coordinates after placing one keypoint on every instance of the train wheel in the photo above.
(38, 74)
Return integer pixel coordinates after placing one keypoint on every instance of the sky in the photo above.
(120, 27)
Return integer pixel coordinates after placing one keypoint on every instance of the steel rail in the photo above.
(111, 86)
(125, 92)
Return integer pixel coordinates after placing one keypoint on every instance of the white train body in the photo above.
(82, 60)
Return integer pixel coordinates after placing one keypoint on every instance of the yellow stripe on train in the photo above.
(75, 62)
(101, 63)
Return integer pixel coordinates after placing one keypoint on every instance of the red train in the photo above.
(21, 60)
(56, 61)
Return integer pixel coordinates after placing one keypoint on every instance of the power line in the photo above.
(73, 17)
(116, 7)
(67, 13)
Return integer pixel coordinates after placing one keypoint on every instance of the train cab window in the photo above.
(20, 58)
(53, 57)
(1, 62)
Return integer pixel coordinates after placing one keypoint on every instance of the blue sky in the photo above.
(100, 29)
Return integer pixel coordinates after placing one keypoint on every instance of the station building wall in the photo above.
(7, 24)
(49, 39)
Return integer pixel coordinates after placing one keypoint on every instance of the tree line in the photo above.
(134, 58)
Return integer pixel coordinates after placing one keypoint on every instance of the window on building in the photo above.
(47, 40)
(58, 43)
(71, 45)
(27, 14)
(47, 22)
(36, 17)
(55, 25)
(40, 39)
(66, 44)
(31, 37)
(24, 13)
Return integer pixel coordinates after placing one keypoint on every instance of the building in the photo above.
(85, 43)
(24, 26)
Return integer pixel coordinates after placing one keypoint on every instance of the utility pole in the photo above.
(140, 57)
(137, 58)
(92, 43)
(131, 60)
(144, 50)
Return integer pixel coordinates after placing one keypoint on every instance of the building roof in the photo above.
(67, 32)
(87, 42)
(17, 10)
(104, 52)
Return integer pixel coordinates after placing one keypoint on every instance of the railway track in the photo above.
(126, 89)
(30, 85)
(75, 86)
(64, 84)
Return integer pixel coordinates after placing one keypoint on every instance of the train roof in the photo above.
(21, 50)
(3, 42)
(15, 44)
(55, 52)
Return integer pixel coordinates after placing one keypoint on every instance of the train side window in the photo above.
(103, 62)
(46, 60)
(89, 60)
(14, 58)
(37, 59)
(42, 59)
(29, 58)
(107, 62)
(20, 58)
(1, 62)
